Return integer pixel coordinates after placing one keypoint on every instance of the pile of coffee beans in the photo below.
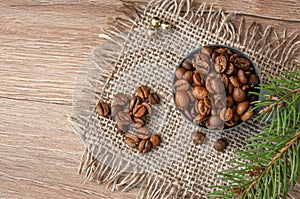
(131, 114)
(212, 85)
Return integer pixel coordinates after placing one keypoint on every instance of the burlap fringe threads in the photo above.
(264, 44)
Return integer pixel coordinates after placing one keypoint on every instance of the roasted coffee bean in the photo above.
(187, 65)
(217, 85)
(220, 145)
(115, 109)
(103, 109)
(193, 112)
(138, 123)
(229, 101)
(230, 69)
(207, 101)
(220, 63)
(253, 80)
(155, 140)
(139, 111)
(214, 122)
(234, 81)
(144, 146)
(202, 108)
(188, 76)
(242, 107)
(134, 101)
(242, 77)
(197, 80)
(180, 72)
(143, 133)
(221, 50)
(225, 80)
(247, 114)
(147, 106)
(181, 85)
(200, 92)
(188, 114)
(202, 67)
(153, 98)
(239, 95)
(226, 114)
(182, 100)
(198, 137)
(191, 96)
(124, 116)
(131, 140)
(143, 92)
(230, 88)
(219, 101)
(242, 63)
(121, 99)
(207, 50)
(198, 119)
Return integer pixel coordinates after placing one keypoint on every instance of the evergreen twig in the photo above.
(269, 165)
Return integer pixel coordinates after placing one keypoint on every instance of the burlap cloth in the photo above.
(177, 168)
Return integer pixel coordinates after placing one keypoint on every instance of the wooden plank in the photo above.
(43, 44)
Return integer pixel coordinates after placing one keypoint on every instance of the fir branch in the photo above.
(270, 164)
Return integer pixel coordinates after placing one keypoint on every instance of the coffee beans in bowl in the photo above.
(212, 87)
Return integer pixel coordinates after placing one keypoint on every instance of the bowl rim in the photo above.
(194, 51)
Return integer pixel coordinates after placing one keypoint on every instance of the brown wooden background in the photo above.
(43, 44)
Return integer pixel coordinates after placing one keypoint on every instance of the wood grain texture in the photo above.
(43, 44)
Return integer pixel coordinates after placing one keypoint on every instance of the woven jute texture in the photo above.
(130, 58)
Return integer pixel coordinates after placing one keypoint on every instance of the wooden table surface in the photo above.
(43, 44)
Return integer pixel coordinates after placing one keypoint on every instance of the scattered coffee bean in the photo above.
(143, 133)
(155, 140)
(103, 109)
(248, 114)
(131, 140)
(138, 123)
(144, 146)
(220, 145)
(153, 98)
(211, 86)
(198, 137)
(139, 111)
(143, 92)
(134, 101)
(120, 99)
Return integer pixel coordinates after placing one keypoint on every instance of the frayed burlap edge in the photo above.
(267, 43)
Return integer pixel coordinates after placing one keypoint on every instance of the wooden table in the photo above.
(43, 44)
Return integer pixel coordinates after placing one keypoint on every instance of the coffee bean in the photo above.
(225, 80)
(220, 63)
(239, 95)
(143, 92)
(199, 119)
(191, 96)
(148, 107)
(144, 146)
(253, 80)
(121, 99)
(198, 137)
(155, 140)
(202, 108)
(248, 114)
(138, 123)
(121, 129)
(143, 133)
(188, 114)
(219, 101)
(226, 114)
(103, 109)
(197, 80)
(115, 109)
(242, 63)
(131, 140)
(202, 67)
(187, 65)
(215, 122)
(207, 101)
(188, 76)
(139, 111)
(180, 72)
(181, 85)
(230, 88)
(134, 101)
(153, 98)
(242, 77)
(242, 107)
(234, 81)
(230, 69)
(217, 85)
(229, 101)
(200, 92)
(182, 100)
(124, 116)
(207, 50)
(220, 145)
